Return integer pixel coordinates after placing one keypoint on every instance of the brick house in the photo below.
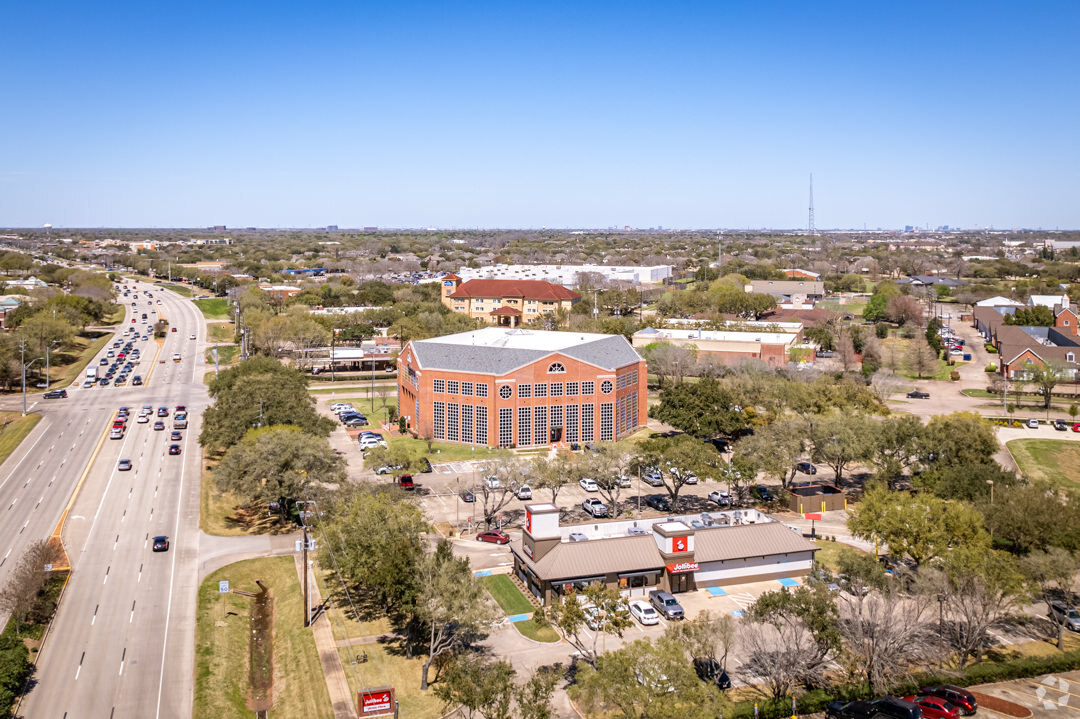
(522, 388)
(506, 303)
(1019, 347)
(727, 346)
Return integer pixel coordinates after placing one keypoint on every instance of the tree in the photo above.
(839, 439)
(1051, 575)
(775, 449)
(920, 526)
(25, 583)
(884, 383)
(279, 461)
(708, 635)
(845, 352)
(968, 482)
(452, 605)
(921, 357)
(667, 360)
(550, 474)
(534, 696)
(704, 409)
(1046, 377)
(483, 688)
(608, 465)
(903, 309)
(607, 613)
(376, 541)
(502, 479)
(1032, 517)
(1037, 316)
(894, 445)
(874, 311)
(960, 438)
(677, 459)
(978, 587)
(400, 456)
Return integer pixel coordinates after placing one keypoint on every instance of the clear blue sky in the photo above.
(558, 114)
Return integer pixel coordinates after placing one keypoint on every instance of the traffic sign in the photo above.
(223, 586)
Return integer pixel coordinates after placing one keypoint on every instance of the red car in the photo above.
(172, 330)
(957, 696)
(1076, 428)
(935, 707)
(493, 537)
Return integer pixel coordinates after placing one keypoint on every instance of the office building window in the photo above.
(481, 425)
(453, 387)
(571, 389)
(540, 390)
(467, 423)
(588, 388)
(540, 425)
(506, 427)
(633, 410)
(452, 425)
(467, 389)
(572, 434)
(556, 389)
(607, 431)
(438, 420)
(438, 385)
(588, 423)
(555, 412)
(524, 426)
(524, 390)
(481, 390)
(505, 391)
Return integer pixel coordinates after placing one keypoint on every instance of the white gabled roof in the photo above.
(998, 301)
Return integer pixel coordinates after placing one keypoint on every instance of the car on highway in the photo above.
(589, 485)
(495, 537)
(116, 433)
(175, 436)
(176, 357)
(124, 465)
(162, 411)
(55, 394)
(192, 336)
(161, 543)
(159, 426)
(174, 449)
(143, 418)
(644, 613)
(136, 380)
(594, 507)
(173, 329)
(916, 394)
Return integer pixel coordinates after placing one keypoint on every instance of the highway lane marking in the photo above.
(123, 516)
(24, 526)
(122, 657)
(27, 454)
(79, 669)
(115, 542)
(107, 573)
(132, 617)
(94, 618)
(39, 501)
(12, 503)
(140, 569)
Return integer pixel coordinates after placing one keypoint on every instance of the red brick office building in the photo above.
(503, 387)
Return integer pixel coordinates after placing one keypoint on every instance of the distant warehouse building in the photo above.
(772, 348)
(568, 275)
(522, 388)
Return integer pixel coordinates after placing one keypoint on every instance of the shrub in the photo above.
(990, 368)
(954, 376)
(990, 348)
(881, 330)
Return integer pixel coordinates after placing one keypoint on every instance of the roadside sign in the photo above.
(375, 702)
(223, 586)
(816, 517)
(48, 567)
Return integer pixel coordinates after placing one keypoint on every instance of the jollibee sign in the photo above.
(375, 702)
(682, 567)
(679, 544)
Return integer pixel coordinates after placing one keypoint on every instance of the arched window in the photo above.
(556, 368)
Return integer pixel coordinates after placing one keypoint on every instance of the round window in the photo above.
(505, 391)
(606, 386)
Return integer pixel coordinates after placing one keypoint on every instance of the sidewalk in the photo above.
(337, 685)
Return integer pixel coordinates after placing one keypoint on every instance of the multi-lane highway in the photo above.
(122, 641)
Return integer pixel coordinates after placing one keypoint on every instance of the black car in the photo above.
(916, 394)
(851, 710)
(709, 670)
(658, 502)
(1060, 426)
(960, 698)
(55, 394)
(161, 543)
(174, 449)
(467, 496)
(762, 492)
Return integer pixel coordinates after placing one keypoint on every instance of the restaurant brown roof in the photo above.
(595, 557)
(748, 540)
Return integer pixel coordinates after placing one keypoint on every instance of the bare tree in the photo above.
(885, 384)
(609, 468)
(779, 658)
(502, 479)
(921, 357)
(26, 582)
(885, 634)
(551, 475)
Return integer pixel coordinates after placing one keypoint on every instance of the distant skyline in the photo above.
(528, 115)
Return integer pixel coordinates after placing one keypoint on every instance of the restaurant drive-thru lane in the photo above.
(122, 641)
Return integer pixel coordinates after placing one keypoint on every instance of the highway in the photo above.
(122, 641)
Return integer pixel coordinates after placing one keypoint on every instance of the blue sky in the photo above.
(557, 114)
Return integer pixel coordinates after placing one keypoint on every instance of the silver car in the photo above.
(1065, 615)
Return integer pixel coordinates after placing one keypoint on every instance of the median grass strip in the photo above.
(178, 289)
(227, 354)
(14, 429)
(1054, 460)
(213, 308)
(222, 649)
(223, 515)
(508, 596)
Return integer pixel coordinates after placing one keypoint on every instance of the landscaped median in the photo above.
(517, 607)
(15, 428)
(223, 676)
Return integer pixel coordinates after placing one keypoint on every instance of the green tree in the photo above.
(678, 459)
(968, 482)
(1046, 376)
(1032, 517)
(704, 409)
(960, 438)
(920, 526)
(534, 696)
(894, 445)
(1037, 316)
(601, 607)
(278, 461)
(1051, 575)
(874, 311)
(775, 449)
(483, 688)
(842, 438)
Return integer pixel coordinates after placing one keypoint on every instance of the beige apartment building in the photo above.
(506, 303)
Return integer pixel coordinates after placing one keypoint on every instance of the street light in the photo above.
(991, 483)
(48, 347)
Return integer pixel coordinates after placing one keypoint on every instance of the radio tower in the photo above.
(811, 226)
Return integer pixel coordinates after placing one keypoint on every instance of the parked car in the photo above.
(387, 468)
(721, 497)
(467, 496)
(1064, 614)
(524, 492)
(851, 710)
(916, 394)
(1033, 423)
(806, 468)
(961, 698)
(161, 544)
(666, 604)
(709, 670)
(589, 485)
(643, 612)
(595, 507)
(495, 537)
(622, 481)
(762, 492)
(934, 707)
(658, 502)
(491, 482)
(653, 478)
(1060, 426)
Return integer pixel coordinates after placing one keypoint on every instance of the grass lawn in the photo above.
(373, 410)
(221, 645)
(227, 354)
(178, 289)
(537, 632)
(214, 308)
(15, 432)
(894, 355)
(506, 594)
(222, 516)
(447, 451)
(353, 387)
(852, 307)
(222, 332)
(71, 367)
(1054, 460)
(386, 665)
(829, 553)
(115, 317)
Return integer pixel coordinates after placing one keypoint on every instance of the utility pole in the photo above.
(307, 601)
(719, 252)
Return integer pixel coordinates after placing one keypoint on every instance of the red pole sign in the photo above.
(812, 516)
(375, 702)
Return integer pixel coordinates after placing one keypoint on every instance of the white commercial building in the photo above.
(567, 275)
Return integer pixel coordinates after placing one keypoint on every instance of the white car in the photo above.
(644, 613)
(589, 485)
(191, 336)
(143, 418)
(492, 482)
(720, 497)
(371, 443)
(623, 481)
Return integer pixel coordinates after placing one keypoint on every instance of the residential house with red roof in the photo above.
(506, 303)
